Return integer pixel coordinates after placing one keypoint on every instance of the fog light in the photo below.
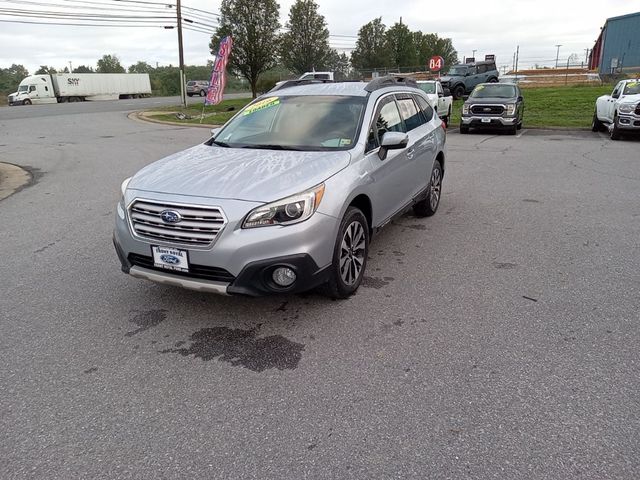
(283, 276)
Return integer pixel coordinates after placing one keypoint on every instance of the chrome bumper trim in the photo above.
(176, 281)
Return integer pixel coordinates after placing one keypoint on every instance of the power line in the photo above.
(80, 24)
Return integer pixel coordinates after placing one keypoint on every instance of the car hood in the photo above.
(489, 100)
(630, 98)
(239, 173)
(448, 78)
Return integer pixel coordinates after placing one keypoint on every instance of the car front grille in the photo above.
(197, 225)
(195, 271)
(487, 109)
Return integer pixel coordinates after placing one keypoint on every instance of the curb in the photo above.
(12, 179)
(142, 117)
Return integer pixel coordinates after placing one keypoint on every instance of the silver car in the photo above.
(197, 87)
(286, 196)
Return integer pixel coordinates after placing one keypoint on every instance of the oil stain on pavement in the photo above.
(243, 348)
(146, 319)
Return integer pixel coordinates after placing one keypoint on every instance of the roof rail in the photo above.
(390, 81)
(297, 82)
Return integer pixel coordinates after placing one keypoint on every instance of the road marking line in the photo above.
(521, 133)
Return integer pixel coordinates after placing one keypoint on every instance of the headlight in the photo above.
(123, 187)
(626, 108)
(511, 108)
(465, 109)
(290, 210)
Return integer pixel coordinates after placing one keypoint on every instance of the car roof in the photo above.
(353, 89)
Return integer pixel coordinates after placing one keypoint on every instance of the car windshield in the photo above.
(632, 88)
(427, 87)
(494, 91)
(191, 84)
(310, 123)
(23, 88)
(457, 70)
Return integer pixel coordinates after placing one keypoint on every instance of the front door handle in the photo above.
(410, 153)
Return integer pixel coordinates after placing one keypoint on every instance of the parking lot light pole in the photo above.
(557, 54)
(183, 96)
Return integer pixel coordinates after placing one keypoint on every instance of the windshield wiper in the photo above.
(220, 144)
(271, 147)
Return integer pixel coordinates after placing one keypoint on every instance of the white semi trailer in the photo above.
(78, 87)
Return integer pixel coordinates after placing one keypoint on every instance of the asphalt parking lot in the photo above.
(497, 339)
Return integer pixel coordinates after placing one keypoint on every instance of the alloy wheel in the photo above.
(352, 252)
(436, 185)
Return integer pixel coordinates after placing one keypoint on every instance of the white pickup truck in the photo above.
(440, 102)
(620, 111)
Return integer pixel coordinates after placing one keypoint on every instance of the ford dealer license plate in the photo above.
(486, 120)
(170, 258)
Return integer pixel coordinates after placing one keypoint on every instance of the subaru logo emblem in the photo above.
(170, 216)
(170, 259)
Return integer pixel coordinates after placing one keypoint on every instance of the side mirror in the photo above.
(467, 74)
(392, 141)
(520, 99)
(616, 95)
(440, 94)
(465, 97)
(215, 131)
(446, 92)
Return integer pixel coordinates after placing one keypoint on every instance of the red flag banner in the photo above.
(219, 73)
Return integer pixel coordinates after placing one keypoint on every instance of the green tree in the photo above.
(110, 64)
(340, 64)
(44, 70)
(430, 44)
(141, 67)
(400, 45)
(253, 25)
(371, 47)
(83, 69)
(305, 46)
(11, 77)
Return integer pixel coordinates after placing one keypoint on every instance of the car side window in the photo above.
(410, 114)
(438, 89)
(387, 119)
(616, 90)
(482, 68)
(427, 111)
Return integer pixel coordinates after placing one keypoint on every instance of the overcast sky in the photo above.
(488, 27)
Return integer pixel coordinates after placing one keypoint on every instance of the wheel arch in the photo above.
(363, 203)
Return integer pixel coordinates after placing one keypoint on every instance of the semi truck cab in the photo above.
(35, 89)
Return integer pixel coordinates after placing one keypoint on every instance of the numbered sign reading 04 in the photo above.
(436, 63)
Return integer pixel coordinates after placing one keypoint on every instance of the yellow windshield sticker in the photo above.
(632, 84)
(480, 87)
(261, 105)
(345, 141)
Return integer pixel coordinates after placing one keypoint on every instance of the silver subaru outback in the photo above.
(286, 196)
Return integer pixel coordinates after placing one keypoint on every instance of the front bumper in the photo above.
(629, 122)
(241, 260)
(487, 121)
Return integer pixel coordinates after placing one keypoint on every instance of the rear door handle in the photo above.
(410, 153)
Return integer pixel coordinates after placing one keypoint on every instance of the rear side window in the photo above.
(387, 120)
(410, 113)
(427, 111)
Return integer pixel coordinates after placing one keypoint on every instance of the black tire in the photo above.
(512, 129)
(344, 283)
(458, 91)
(596, 125)
(519, 126)
(614, 131)
(429, 206)
(203, 93)
(493, 80)
(464, 129)
(26, 102)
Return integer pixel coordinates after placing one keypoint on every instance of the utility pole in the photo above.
(183, 97)
(474, 54)
(557, 54)
(517, 58)
(70, 67)
(586, 56)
